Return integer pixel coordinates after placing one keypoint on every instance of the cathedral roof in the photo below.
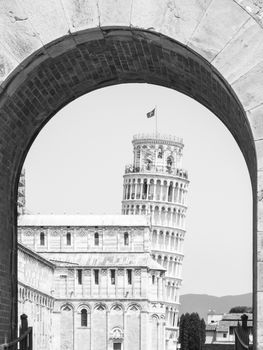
(21, 247)
(84, 220)
(126, 259)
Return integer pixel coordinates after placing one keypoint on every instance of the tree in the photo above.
(184, 331)
(181, 328)
(203, 332)
(194, 332)
(191, 332)
(240, 309)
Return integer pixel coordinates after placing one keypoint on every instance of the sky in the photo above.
(76, 165)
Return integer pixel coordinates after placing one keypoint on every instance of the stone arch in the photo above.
(33, 89)
(100, 307)
(151, 189)
(83, 306)
(83, 316)
(158, 190)
(154, 317)
(117, 307)
(117, 334)
(134, 307)
(67, 306)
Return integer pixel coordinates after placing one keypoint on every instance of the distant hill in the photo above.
(201, 303)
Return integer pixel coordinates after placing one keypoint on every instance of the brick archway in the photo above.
(72, 66)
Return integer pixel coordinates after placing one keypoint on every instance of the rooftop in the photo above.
(28, 251)
(229, 320)
(84, 220)
(237, 316)
(103, 260)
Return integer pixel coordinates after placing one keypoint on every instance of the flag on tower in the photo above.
(151, 114)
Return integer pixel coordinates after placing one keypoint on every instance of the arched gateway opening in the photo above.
(80, 63)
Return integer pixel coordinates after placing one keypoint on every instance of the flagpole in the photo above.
(156, 122)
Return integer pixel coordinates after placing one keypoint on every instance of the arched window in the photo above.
(148, 163)
(170, 192)
(151, 189)
(173, 319)
(68, 238)
(129, 191)
(144, 189)
(96, 238)
(96, 277)
(126, 238)
(42, 238)
(84, 318)
(129, 276)
(164, 191)
(133, 189)
(138, 194)
(169, 162)
(113, 276)
(79, 276)
(160, 153)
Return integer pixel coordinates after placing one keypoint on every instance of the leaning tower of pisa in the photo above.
(156, 184)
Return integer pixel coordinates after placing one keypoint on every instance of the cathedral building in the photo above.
(109, 282)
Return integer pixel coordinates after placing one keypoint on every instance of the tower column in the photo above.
(176, 268)
(180, 244)
(154, 189)
(175, 193)
(166, 217)
(170, 239)
(141, 189)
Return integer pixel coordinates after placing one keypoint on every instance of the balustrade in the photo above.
(130, 169)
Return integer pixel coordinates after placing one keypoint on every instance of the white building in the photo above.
(220, 328)
(110, 282)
